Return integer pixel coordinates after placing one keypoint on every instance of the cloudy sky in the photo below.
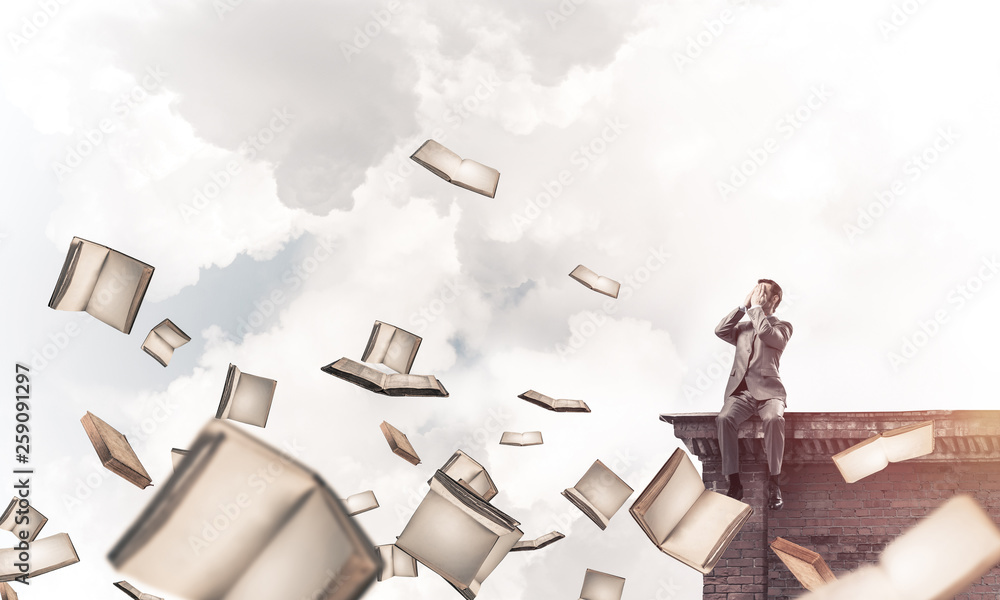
(256, 153)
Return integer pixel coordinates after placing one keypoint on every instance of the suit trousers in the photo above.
(738, 408)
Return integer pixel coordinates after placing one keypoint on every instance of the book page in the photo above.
(80, 273)
(584, 276)
(603, 489)
(477, 177)
(359, 503)
(312, 556)
(944, 553)
(607, 286)
(678, 494)
(464, 467)
(909, 442)
(392, 347)
(446, 538)
(531, 438)
(509, 438)
(437, 159)
(601, 586)
(228, 391)
(409, 381)
(538, 543)
(378, 342)
(47, 554)
(867, 582)
(35, 520)
(211, 519)
(358, 374)
(699, 532)
(400, 384)
(500, 550)
(251, 401)
(116, 288)
(580, 501)
(395, 562)
(564, 403)
(158, 347)
(171, 334)
(401, 351)
(861, 460)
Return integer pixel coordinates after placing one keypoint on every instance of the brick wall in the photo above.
(848, 524)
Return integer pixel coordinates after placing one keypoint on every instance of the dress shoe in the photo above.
(774, 499)
(735, 491)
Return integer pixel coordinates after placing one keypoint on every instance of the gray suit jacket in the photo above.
(759, 344)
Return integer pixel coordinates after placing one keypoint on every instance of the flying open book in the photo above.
(24, 522)
(470, 474)
(133, 592)
(528, 438)
(538, 543)
(947, 551)
(553, 404)
(359, 503)
(875, 453)
(451, 167)
(395, 562)
(392, 347)
(399, 444)
(163, 339)
(458, 535)
(47, 554)
(246, 398)
(683, 519)
(114, 451)
(599, 494)
(107, 284)
(239, 520)
(387, 384)
(598, 283)
(807, 566)
(601, 586)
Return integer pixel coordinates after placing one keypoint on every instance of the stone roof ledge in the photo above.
(964, 435)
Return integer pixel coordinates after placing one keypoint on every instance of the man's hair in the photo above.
(775, 289)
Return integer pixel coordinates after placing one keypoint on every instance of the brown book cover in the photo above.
(807, 566)
(399, 444)
(114, 451)
(7, 592)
